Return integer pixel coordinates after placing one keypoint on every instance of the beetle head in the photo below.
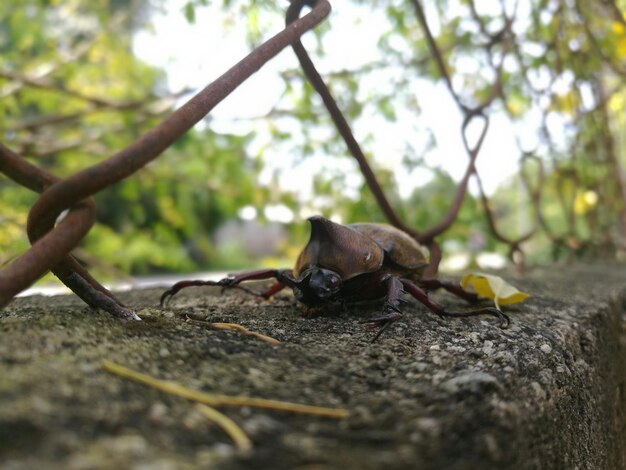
(317, 286)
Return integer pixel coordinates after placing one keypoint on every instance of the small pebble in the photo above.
(546, 348)
(164, 352)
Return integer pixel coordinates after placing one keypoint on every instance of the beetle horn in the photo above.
(341, 249)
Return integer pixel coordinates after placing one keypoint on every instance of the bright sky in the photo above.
(195, 54)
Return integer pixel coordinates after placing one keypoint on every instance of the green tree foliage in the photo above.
(556, 69)
(73, 93)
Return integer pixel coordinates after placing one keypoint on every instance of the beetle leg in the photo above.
(456, 289)
(283, 276)
(391, 308)
(439, 309)
(273, 289)
(172, 291)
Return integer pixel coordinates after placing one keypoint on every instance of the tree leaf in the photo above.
(493, 287)
(190, 12)
(585, 201)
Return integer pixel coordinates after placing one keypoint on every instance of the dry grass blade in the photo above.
(235, 327)
(225, 400)
(243, 330)
(243, 443)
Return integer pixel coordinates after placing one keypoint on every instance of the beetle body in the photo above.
(355, 262)
(339, 261)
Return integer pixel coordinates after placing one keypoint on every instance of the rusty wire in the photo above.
(427, 236)
(508, 43)
(505, 40)
(52, 241)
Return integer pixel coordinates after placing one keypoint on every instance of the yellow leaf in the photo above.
(566, 103)
(585, 201)
(617, 102)
(493, 287)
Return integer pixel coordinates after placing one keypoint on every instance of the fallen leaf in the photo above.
(493, 287)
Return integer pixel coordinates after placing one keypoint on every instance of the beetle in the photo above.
(362, 261)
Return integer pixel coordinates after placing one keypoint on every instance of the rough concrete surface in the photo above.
(549, 392)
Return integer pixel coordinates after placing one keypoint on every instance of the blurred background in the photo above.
(81, 80)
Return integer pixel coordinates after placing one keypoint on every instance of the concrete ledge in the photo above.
(550, 392)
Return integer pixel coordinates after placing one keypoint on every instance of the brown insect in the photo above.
(351, 263)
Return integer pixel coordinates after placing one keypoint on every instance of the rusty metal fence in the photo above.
(52, 242)
(65, 211)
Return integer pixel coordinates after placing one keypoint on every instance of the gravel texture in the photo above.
(549, 392)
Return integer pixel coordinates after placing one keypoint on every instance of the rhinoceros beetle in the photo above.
(355, 262)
